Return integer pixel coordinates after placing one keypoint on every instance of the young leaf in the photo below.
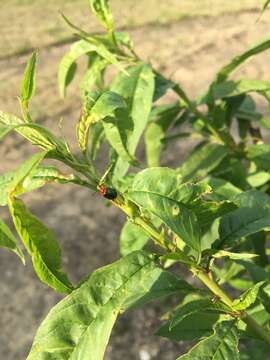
(157, 190)
(248, 298)
(77, 49)
(80, 325)
(223, 344)
(29, 81)
(226, 70)
(8, 240)
(137, 88)
(114, 124)
(202, 161)
(94, 74)
(222, 189)
(41, 245)
(102, 11)
(83, 47)
(132, 238)
(232, 255)
(265, 5)
(235, 88)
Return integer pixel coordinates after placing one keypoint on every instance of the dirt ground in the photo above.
(189, 51)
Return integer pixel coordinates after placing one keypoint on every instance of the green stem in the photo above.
(216, 289)
(258, 329)
(132, 211)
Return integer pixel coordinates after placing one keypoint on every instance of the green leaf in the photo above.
(252, 216)
(248, 298)
(226, 70)
(222, 189)
(260, 154)
(83, 47)
(162, 85)
(8, 240)
(41, 245)
(38, 178)
(137, 88)
(223, 344)
(162, 116)
(158, 191)
(232, 255)
(29, 81)
(93, 74)
(105, 109)
(17, 185)
(80, 325)
(102, 11)
(202, 161)
(77, 49)
(194, 307)
(265, 5)
(240, 223)
(194, 326)
(235, 88)
(132, 238)
(36, 134)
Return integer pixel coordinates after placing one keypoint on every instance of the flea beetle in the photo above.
(107, 192)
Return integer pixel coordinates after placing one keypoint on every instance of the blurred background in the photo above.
(188, 40)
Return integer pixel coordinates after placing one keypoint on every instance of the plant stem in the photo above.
(258, 329)
(216, 289)
(200, 273)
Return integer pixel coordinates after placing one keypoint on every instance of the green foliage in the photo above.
(8, 240)
(211, 213)
(100, 299)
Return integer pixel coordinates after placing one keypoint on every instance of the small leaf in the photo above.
(102, 11)
(265, 5)
(226, 70)
(232, 255)
(248, 298)
(202, 161)
(93, 74)
(137, 88)
(132, 238)
(41, 245)
(104, 109)
(235, 88)
(222, 189)
(8, 240)
(223, 344)
(29, 81)
(71, 328)
(83, 47)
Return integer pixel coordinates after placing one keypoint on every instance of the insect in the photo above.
(107, 192)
